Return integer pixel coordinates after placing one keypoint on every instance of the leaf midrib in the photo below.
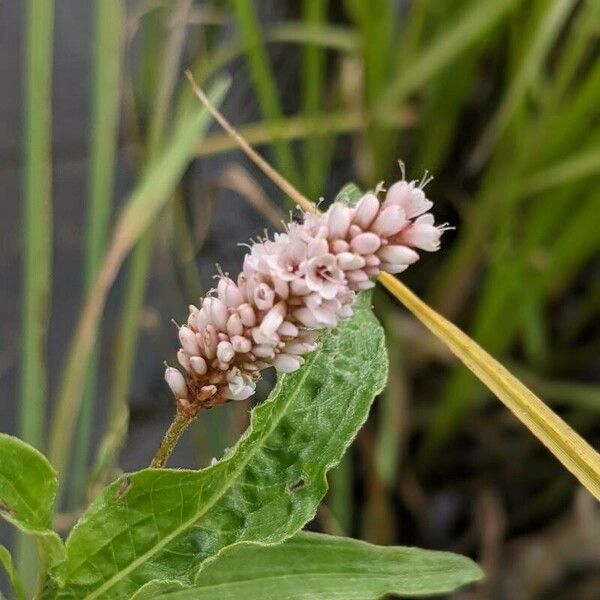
(230, 482)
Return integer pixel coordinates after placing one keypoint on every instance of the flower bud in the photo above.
(286, 363)
(188, 340)
(389, 221)
(398, 255)
(365, 243)
(229, 293)
(273, 319)
(176, 381)
(247, 315)
(198, 365)
(349, 261)
(235, 325)
(225, 352)
(365, 211)
(183, 359)
(241, 344)
(338, 220)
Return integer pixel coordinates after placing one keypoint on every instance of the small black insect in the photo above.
(298, 215)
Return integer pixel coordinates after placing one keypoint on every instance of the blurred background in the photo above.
(498, 99)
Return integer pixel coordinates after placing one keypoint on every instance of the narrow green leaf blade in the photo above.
(317, 566)
(27, 491)
(161, 522)
(13, 577)
(141, 208)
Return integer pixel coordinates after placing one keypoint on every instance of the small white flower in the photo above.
(412, 199)
(323, 275)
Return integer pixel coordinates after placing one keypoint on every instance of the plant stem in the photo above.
(180, 423)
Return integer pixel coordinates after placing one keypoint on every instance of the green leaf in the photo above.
(165, 523)
(317, 566)
(27, 491)
(13, 577)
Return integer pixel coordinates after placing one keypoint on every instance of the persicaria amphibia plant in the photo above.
(290, 287)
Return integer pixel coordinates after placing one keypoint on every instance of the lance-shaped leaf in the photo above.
(321, 567)
(27, 491)
(162, 523)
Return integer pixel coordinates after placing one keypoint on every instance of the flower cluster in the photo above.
(302, 281)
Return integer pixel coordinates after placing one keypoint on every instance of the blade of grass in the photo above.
(445, 94)
(551, 23)
(162, 87)
(376, 22)
(301, 127)
(142, 206)
(392, 408)
(264, 81)
(582, 165)
(107, 57)
(568, 447)
(37, 234)
(315, 160)
(477, 18)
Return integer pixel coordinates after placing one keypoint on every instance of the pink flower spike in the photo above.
(294, 285)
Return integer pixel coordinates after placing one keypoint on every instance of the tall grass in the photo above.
(104, 126)
(37, 232)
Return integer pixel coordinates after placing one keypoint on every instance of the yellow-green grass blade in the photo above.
(568, 446)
